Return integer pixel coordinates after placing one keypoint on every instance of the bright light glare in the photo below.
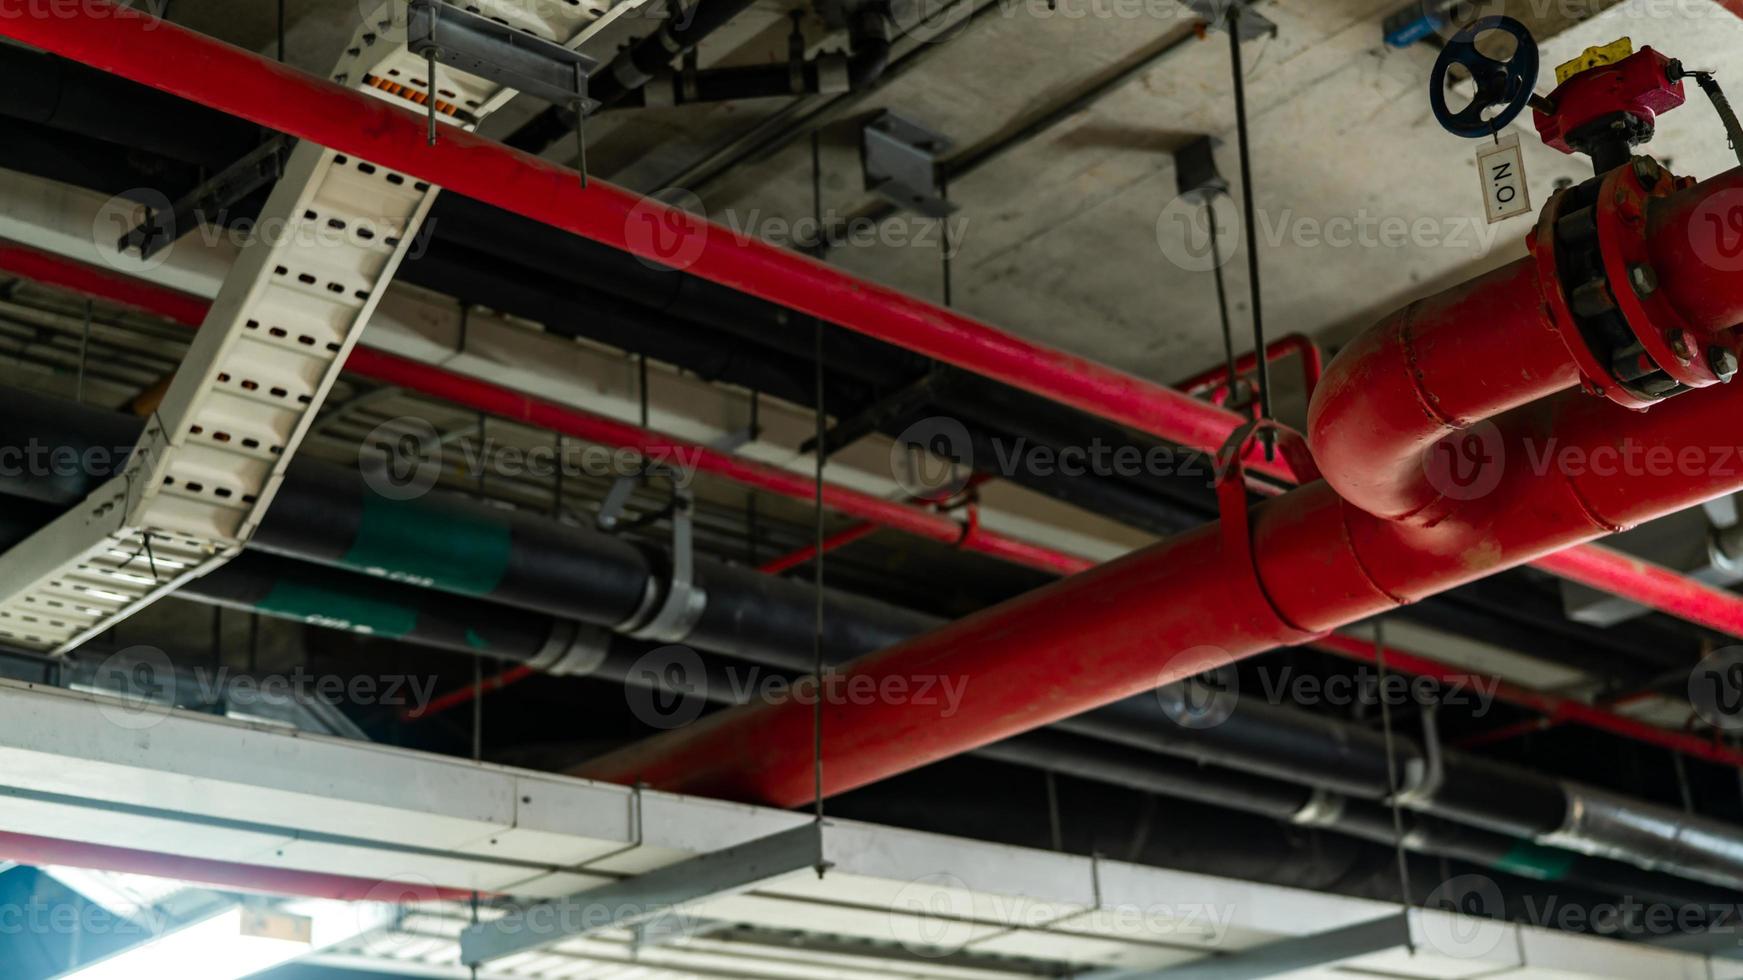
(123, 894)
(218, 948)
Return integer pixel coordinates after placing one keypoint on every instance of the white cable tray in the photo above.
(330, 237)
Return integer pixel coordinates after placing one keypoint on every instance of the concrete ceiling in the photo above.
(1075, 238)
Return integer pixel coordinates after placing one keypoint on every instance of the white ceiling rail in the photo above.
(1287, 956)
(323, 249)
(664, 895)
(79, 766)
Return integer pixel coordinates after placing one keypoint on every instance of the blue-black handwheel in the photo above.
(1504, 86)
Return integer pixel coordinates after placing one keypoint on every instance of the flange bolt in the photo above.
(1643, 279)
(1723, 361)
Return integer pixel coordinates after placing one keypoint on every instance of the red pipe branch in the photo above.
(1306, 563)
(1653, 585)
(1312, 365)
(1556, 710)
(181, 62)
(1397, 427)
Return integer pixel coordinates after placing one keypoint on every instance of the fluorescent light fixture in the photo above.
(235, 943)
(122, 894)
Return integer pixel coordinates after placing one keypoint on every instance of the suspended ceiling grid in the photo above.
(99, 770)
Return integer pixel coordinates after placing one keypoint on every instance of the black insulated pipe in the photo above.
(1317, 750)
(60, 94)
(1309, 808)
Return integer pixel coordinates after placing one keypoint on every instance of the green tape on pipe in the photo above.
(1530, 860)
(339, 610)
(407, 541)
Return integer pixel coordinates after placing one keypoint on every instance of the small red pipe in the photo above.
(1534, 725)
(192, 66)
(1555, 709)
(1650, 584)
(38, 851)
(1312, 365)
(801, 556)
(494, 399)
(467, 692)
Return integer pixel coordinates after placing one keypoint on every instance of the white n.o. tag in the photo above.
(1501, 168)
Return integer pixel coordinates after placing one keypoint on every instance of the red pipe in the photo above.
(38, 851)
(1556, 709)
(800, 556)
(186, 309)
(186, 64)
(1312, 365)
(438, 382)
(340, 118)
(181, 62)
(1434, 368)
(1597, 567)
(1653, 585)
(1306, 562)
(466, 693)
(1720, 611)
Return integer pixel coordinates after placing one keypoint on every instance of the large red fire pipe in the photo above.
(181, 62)
(1305, 563)
(204, 70)
(1723, 612)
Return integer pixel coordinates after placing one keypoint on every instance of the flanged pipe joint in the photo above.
(1621, 257)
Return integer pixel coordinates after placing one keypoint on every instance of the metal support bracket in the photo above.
(669, 614)
(496, 52)
(891, 407)
(647, 898)
(161, 229)
(1237, 532)
(900, 160)
(1287, 956)
(617, 497)
(1423, 778)
(1253, 25)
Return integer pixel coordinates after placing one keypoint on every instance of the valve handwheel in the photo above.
(1504, 86)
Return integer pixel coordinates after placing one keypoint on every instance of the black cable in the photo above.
(1722, 105)
(1391, 762)
(822, 458)
(944, 235)
(477, 709)
(84, 352)
(1222, 296)
(1263, 371)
